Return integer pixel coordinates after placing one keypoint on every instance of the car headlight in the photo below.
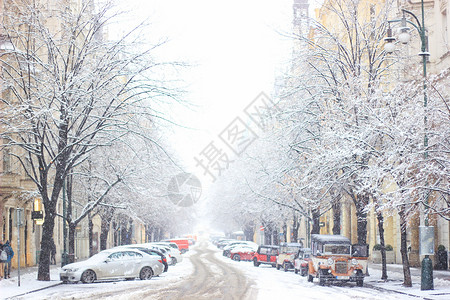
(72, 270)
(330, 261)
(354, 262)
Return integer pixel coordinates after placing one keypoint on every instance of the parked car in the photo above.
(223, 242)
(286, 255)
(113, 264)
(155, 252)
(243, 252)
(266, 254)
(183, 244)
(301, 261)
(172, 249)
(232, 245)
(332, 260)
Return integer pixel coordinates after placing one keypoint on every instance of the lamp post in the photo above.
(426, 235)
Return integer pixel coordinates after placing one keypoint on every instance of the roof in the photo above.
(330, 239)
(300, 245)
(270, 246)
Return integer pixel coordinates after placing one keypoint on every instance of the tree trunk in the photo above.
(267, 234)
(403, 248)
(362, 201)
(295, 227)
(383, 246)
(284, 232)
(315, 221)
(72, 232)
(47, 232)
(148, 233)
(275, 236)
(337, 217)
(91, 235)
(104, 233)
(49, 221)
(249, 231)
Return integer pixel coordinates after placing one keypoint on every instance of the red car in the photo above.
(183, 244)
(242, 253)
(266, 254)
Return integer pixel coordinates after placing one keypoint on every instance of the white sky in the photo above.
(236, 51)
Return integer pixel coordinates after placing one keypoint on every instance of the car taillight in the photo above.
(160, 260)
(165, 260)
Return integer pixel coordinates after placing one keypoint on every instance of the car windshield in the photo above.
(292, 249)
(337, 249)
(99, 256)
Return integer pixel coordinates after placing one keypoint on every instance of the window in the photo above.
(116, 256)
(337, 249)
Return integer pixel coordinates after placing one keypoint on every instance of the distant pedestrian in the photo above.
(10, 254)
(3, 259)
(52, 252)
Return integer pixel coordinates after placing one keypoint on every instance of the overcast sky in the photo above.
(236, 50)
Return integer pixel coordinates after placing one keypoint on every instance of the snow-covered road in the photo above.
(206, 274)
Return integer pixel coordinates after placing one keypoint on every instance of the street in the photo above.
(201, 276)
(206, 274)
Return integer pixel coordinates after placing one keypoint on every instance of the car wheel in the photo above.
(278, 267)
(296, 271)
(174, 261)
(88, 276)
(236, 257)
(310, 278)
(146, 273)
(286, 267)
(360, 282)
(255, 262)
(322, 281)
(304, 272)
(130, 278)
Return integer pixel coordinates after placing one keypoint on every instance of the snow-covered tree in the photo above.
(70, 91)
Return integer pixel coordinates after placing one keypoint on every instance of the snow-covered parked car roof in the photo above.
(330, 239)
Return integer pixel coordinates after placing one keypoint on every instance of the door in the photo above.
(263, 254)
(132, 262)
(113, 267)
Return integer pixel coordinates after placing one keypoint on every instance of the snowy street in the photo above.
(206, 274)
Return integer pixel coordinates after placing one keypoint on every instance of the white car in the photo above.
(173, 249)
(113, 264)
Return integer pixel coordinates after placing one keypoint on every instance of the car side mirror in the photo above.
(107, 260)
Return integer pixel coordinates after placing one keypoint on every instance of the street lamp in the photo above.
(426, 235)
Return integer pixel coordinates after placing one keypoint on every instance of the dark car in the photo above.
(266, 254)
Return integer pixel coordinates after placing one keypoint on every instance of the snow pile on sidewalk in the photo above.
(28, 283)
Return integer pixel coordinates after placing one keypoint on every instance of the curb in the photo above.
(36, 290)
(378, 288)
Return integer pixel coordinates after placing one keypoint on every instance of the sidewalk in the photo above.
(439, 274)
(28, 282)
(394, 283)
